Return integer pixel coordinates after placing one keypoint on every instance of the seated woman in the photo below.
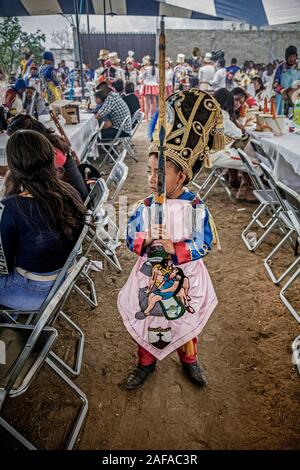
(260, 91)
(229, 157)
(41, 218)
(63, 159)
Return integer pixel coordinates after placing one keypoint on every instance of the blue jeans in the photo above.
(19, 293)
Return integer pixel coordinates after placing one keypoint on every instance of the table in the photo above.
(78, 134)
(285, 151)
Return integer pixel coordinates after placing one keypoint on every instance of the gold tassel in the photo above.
(189, 349)
(216, 239)
(218, 134)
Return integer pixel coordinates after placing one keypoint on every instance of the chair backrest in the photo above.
(269, 176)
(290, 196)
(98, 195)
(260, 154)
(118, 134)
(117, 178)
(137, 119)
(63, 273)
(251, 170)
(90, 144)
(48, 312)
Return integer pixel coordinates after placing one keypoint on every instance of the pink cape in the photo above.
(156, 332)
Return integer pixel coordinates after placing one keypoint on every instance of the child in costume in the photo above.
(50, 84)
(169, 296)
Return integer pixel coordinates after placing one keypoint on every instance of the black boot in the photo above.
(138, 376)
(195, 373)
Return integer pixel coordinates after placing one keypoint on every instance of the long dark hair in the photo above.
(30, 158)
(225, 99)
(25, 121)
(152, 62)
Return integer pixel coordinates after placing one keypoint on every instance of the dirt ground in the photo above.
(252, 400)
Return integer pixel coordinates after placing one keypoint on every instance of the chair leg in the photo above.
(92, 298)
(16, 434)
(296, 352)
(283, 298)
(84, 407)
(79, 351)
(252, 224)
(268, 260)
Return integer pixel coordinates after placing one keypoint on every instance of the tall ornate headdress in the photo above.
(194, 127)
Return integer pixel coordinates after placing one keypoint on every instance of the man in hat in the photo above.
(206, 73)
(50, 85)
(103, 56)
(116, 71)
(286, 74)
(181, 73)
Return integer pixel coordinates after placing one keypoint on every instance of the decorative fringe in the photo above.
(216, 239)
(218, 140)
(189, 349)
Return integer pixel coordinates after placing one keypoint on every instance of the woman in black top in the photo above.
(41, 218)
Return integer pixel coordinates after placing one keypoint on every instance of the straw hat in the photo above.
(103, 54)
(169, 60)
(207, 58)
(114, 59)
(180, 58)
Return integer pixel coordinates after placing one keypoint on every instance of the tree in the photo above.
(62, 39)
(13, 41)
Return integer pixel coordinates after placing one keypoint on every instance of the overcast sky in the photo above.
(48, 24)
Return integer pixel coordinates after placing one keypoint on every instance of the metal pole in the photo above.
(79, 46)
(88, 31)
(105, 32)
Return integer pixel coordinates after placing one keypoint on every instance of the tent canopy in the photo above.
(255, 12)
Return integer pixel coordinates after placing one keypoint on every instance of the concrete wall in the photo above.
(259, 46)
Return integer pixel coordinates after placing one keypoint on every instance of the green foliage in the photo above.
(13, 41)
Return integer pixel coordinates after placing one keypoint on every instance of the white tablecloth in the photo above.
(78, 134)
(285, 151)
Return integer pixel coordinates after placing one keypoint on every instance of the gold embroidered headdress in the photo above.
(194, 127)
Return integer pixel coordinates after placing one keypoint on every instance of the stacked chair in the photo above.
(281, 205)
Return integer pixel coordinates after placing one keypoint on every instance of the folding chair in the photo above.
(289, 217)
(90, 150)
(104, 236)
(136, 120)
(296, 352)
(216, 175)
(260, 154)
(116, 178)
(27, 350)
(262, 192)
(110, 147)
(268, 200)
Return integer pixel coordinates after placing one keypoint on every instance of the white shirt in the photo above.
(147, 77)
(266, 78)
(230, 129)
(169, 77)
(206, 75)
(219, 80)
